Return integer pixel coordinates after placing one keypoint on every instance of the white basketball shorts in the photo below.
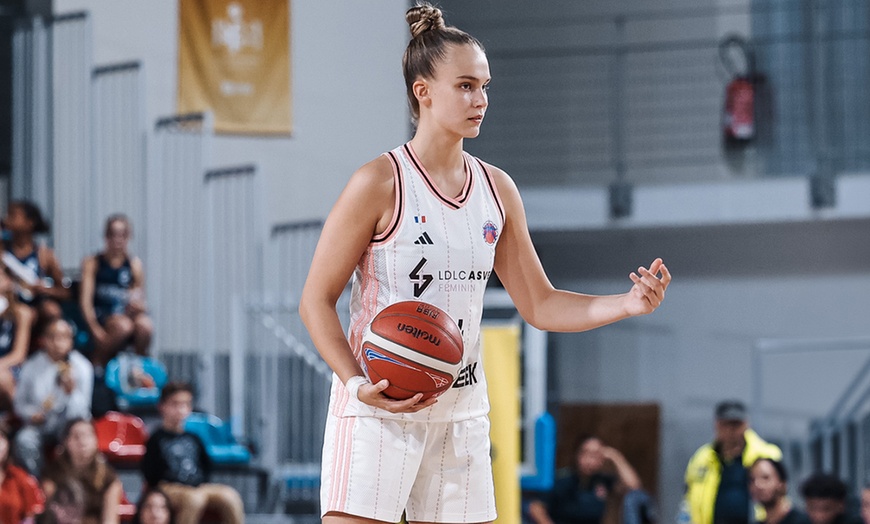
(436, 472)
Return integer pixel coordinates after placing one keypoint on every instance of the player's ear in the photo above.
(421, 91)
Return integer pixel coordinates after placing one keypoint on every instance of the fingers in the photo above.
(374, 396)
(411, 405)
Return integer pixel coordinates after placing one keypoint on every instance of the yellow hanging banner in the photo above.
(501, 363)
(234, 61)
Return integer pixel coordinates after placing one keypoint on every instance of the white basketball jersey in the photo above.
(438, 249)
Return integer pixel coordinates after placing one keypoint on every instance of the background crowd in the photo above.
(58, 336)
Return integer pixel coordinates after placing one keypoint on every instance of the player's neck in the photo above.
(441, 156)
(22, 241)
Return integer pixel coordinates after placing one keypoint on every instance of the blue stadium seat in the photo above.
(117, 377)
(545, 456)
(220, 444)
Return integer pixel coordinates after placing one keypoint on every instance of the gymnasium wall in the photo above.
(349, 99)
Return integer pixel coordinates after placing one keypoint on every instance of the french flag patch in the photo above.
(420, 219)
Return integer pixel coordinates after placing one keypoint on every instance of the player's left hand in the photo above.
(648, 290)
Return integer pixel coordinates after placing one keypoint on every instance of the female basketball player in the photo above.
(429, 222)
(112, 297)
(35, 267)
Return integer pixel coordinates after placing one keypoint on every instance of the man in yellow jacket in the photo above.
(717, 491)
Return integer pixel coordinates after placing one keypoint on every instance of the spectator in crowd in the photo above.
(112, 297)
(15, 326)
(176, 461)
(768, 486)
(154, 508)
(865, 504)
(80, 463)
(825, 499)
(35, 268)
(717, 487)
(591, 492)
(55, 386)
(20, 496)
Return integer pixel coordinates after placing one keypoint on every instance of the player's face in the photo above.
(117, 236)
(765, 487)
(176, 409)
(16, 220)
(58, 340)
(155, 510)
(590, 459)
(457, 94)
(730, 434)
(824, 511)
(81, 443)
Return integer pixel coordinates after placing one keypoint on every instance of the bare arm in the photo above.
(23, 320)
(364, 209)
(547, 308)
(626, 473)
(111, 503)
(538, 512)
(137, 303)
(48, 260)
(86, 297)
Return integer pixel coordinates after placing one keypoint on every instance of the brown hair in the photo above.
(173, 388)
(117, 217)
(430, 38)
(31, 212)
(4, 435)
(98, 470)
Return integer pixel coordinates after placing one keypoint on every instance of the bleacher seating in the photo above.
(220, 444)
(121, 437)
(130, 396)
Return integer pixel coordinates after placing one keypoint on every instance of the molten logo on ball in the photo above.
(416, 346)
(418, 334)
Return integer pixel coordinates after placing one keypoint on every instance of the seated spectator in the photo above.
(81, 464)
(54, 387)
(768, 487)
(177, 463)
(153, 508)
(825, 499)
(590, 491)
(15, 325)
(112, 296)
(20, 496)
(35, 268)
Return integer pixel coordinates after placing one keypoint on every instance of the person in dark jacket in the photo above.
(176, 462)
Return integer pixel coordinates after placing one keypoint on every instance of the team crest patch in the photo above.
(490, 232)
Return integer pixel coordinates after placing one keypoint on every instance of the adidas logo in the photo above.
(424, 240)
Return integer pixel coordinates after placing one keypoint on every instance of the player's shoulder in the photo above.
(507, 189)
(373, 176)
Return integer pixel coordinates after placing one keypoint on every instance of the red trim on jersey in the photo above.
(493, 189)
(455, 203)
(398, 206)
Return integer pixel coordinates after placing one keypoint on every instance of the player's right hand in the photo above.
(372, 394)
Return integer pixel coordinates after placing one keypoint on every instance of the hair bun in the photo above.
(422, 18)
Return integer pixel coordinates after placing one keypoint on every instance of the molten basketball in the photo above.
(416, 346)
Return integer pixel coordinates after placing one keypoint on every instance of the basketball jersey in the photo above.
(30, 261)
(111, 286)
(440, 250)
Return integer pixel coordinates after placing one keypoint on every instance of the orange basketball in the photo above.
(416, 346)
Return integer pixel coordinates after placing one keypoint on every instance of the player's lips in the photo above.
(477, 119)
